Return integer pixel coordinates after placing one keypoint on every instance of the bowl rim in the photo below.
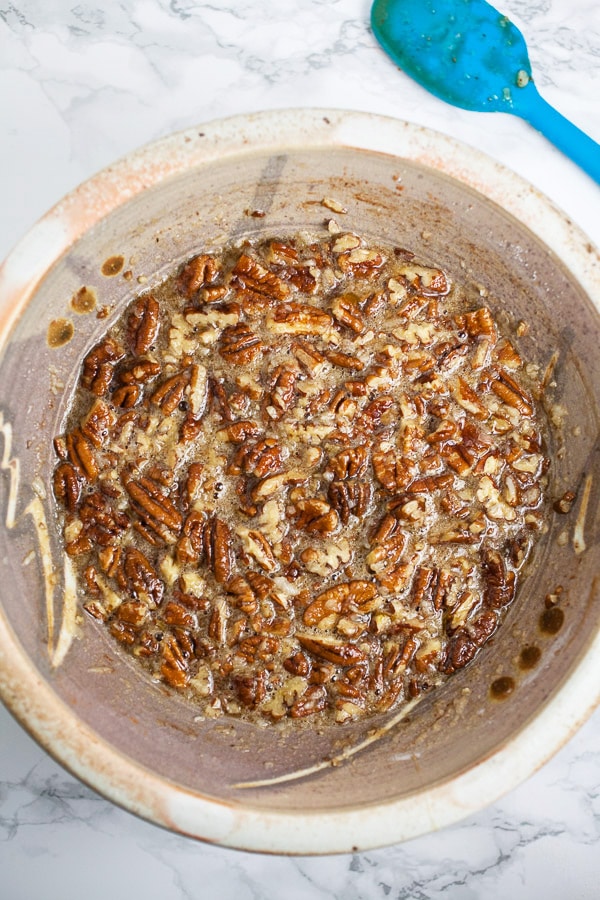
(56, 727)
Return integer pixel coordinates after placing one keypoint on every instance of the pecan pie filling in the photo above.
(300, 478)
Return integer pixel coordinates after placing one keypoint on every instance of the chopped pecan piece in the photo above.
(443, 481)
(378, 412)
(312, 701)
(258, 547)
(309, 357)
(425, 279)
(316, 517)
(298, 664)
(244, 596)
(238, 432)
(387, 555)
(281, 394)
(466, 397)
(260, 459)
(300, 276)
(361, 262)
(478, 323)
(345, 360)
(132, 612)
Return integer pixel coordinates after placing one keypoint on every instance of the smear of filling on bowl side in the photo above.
(299, 478)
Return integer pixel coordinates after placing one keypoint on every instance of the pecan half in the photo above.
(391, 470)
(338, 652)
(143, 324)
(350, 463)
(511, 393)
(351, 596)
(154, 507)
(190, 546)
(127, 396)
(140, 577)
(102, 524)
(175, 663)
(199, 272)
(97, 424)
(500, 583)
(239, 345)
(171, 392)
(249, 275)
(251, 689)
(298, 318)
(346, 311)
(81, 455)
(67, 484)
(350, 498)
(99, 366)
(218, 548)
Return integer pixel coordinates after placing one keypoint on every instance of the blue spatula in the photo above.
(470, 55)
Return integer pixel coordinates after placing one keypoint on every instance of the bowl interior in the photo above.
(390, 200)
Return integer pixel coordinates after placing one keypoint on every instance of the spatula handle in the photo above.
(573, 142)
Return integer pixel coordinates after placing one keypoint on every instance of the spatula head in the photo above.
(463, 51)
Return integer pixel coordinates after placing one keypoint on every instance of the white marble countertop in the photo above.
(82, 84)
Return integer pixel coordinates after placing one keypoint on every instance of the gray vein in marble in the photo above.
(36, 800)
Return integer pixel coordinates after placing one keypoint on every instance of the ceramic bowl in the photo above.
(143, 746)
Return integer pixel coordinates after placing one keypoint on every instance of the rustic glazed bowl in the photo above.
(143, 746)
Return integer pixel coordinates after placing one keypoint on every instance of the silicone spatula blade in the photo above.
(470, 55)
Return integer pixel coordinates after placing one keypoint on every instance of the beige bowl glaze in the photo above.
(81, 698)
